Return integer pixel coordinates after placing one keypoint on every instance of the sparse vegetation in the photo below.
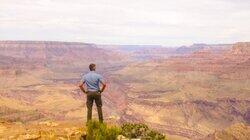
(130, 130)
(100, 131)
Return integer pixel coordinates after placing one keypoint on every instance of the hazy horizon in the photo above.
(142, 22)
(137, 45)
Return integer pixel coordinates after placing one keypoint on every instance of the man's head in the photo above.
(92, 67)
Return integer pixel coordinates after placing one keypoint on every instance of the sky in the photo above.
(148, 22)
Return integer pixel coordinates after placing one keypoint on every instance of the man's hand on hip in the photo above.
(100, 91)
(82, 88)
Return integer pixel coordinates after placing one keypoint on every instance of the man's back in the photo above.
(92, 80)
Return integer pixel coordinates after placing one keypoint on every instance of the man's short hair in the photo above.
(92, 67)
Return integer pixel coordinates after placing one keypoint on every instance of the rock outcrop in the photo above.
(235, 132)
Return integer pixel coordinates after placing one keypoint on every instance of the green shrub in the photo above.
(156, 135)
(130, 130)
(100, 131)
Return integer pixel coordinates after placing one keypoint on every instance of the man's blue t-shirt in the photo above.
(92, 81)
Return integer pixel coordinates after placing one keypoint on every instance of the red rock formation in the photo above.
(44, 53)
(238, 131)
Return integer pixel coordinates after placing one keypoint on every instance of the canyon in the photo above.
(186, 92)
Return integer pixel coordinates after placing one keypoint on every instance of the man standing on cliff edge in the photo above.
(92, 80)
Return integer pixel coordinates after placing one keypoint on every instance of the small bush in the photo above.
(100, 131)
(130, 130)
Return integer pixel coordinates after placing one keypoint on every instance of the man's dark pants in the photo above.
(91, 97)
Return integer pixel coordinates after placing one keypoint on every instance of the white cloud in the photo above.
(126, 21)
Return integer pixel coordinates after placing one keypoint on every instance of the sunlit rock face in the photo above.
(237, 131)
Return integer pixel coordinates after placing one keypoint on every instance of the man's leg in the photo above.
(98, 102)
(89, 107)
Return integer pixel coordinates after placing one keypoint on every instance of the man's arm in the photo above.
(81, 87)
(103, 86)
